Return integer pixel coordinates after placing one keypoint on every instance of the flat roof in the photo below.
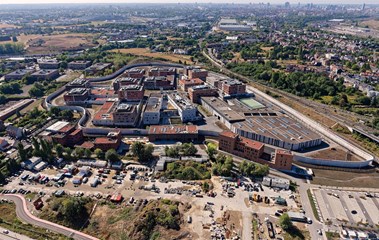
(154, 103)
(57, 126)
(223, 109)
(77, 91)
(171, 129)
(278, 127)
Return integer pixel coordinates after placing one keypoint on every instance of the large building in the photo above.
(195, 93)
(187, 111)
(159, 72)
(97, 68)
(76, 96)
(79, 65)
(156, 83)
(242, 147)
(18, 74)
(261, 124)
(152, 114)
(48, 64)
(184, 84)
(115, 113)
(45, 74)
(181, 133)
(197, 73)
(254, 151)
(232, 25)
(233, 88)
(78, 83)
(111, 141)
(135, 73)
(126, 81)
(131, 93)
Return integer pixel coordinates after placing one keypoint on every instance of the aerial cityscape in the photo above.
(189, 120)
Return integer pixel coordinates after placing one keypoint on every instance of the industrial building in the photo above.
(192, 72)
(232, 25)
(261, 124)
(187, 111)
(111, 141)
(233, 88)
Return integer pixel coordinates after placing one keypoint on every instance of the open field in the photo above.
(36, 44)
(146, 53)
(6, 25)
(333, 153)
(374, 24)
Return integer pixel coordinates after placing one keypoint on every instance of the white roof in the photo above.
(57, 126)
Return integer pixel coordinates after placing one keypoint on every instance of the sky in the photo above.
(191, 1)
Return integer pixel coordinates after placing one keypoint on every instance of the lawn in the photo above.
(145, 52)
(313, 205)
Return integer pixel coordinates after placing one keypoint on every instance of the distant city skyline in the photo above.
(187, 1)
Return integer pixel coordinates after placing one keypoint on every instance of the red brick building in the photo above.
(251, 150)
(198, 73)
(111, 141)
(158, 72)
(76, 95)
(131, 93)
(196, 92)
(233, 87)
(240, 146)
(68, 136)
(185, 84)
(135, 73)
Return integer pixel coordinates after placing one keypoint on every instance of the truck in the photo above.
(95, 182)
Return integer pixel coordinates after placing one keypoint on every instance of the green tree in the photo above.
(22, 152)
(79, 152)
(74, 212)
(143, 152)
(36, 92)
(59, 150)
(112, 156)
(87, 153)
(285, 222)
(188, 149)
(67, 114)
(211, 150)
(99, 153)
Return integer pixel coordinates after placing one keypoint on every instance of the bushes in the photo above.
(188, 170)
(223, 166)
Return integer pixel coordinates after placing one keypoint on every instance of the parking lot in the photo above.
(228, 200)
(353, 208)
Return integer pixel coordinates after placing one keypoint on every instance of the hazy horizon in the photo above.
(14, 2)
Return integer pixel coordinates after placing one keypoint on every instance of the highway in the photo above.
(24, 214)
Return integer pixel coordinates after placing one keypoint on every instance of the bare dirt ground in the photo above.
(55, 43)
(374, 24)
(332, 153)
(346, 179)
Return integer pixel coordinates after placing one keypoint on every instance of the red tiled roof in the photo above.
(87, 145)
(66, 129)
(252, 144)
(228, 134)
(75, 132)
(103, 110)
(105, 140)
(284, 152)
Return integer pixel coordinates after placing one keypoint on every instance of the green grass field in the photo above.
(251, 103)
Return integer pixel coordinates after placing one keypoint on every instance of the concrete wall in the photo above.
(332, 163)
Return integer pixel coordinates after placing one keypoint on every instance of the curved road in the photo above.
(24, 214)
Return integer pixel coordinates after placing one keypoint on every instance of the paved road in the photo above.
(24, 214)
(12, 235)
